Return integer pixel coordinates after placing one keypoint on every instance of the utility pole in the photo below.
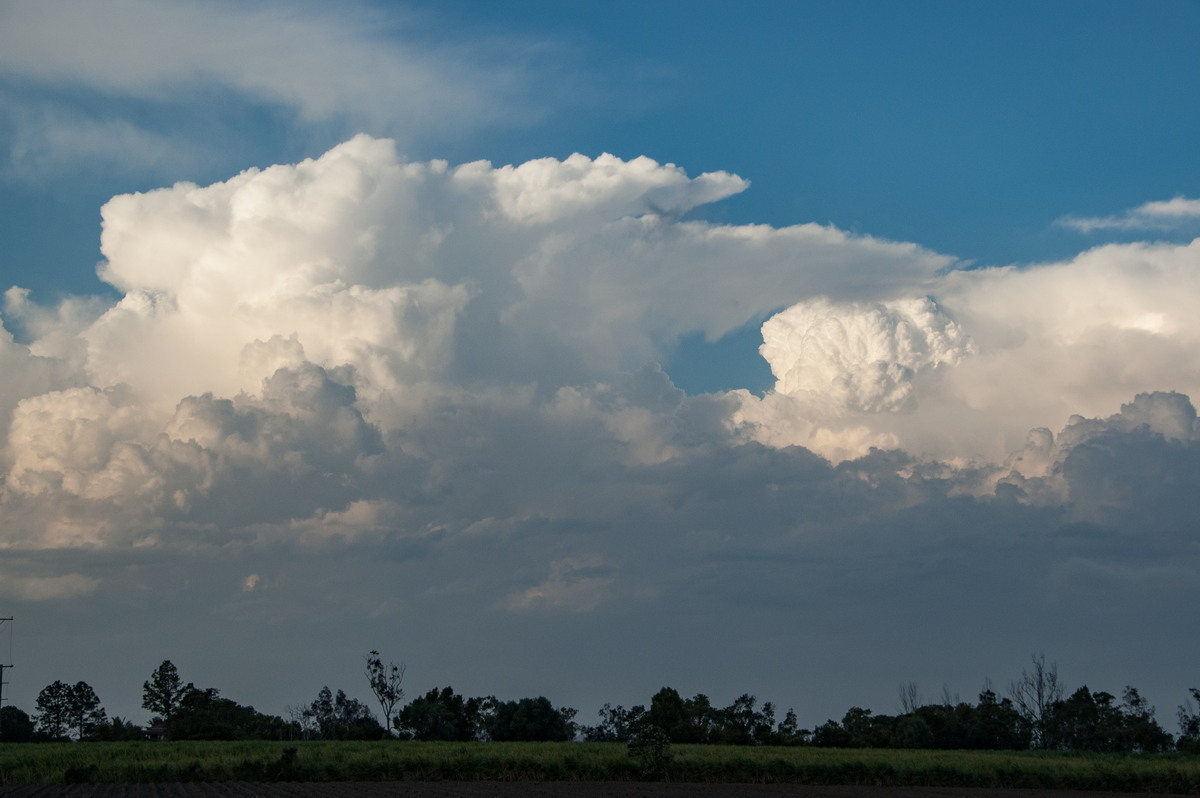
(2, 667)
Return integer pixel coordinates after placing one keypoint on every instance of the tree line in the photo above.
(1037, 713)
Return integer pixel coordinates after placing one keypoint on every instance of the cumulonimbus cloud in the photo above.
(430, 394)
(360, 348)
(309, 317)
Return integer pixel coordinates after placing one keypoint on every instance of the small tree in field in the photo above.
(385, 684)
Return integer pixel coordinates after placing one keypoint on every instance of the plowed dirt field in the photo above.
(511, 789)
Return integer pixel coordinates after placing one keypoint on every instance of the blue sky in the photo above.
(967, 128)
(512, 395)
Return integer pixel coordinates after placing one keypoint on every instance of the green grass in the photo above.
(57, 763)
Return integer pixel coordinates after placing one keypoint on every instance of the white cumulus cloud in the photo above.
(1177, 212)
(990, 354)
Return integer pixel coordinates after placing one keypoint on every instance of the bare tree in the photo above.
(910, 698)
(385, 684)
(1034, 695)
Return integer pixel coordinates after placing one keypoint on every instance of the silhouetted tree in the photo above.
(15, 726)
(741, 723)
(995, 724)
(54, 710)
(1139, 730)
(1189, 724)
(651, 748)
(67, 708)
(117, 730)
(1088, 721)
(789, 731)
(444, 715)
(530, 719)
(617, 724)
(338, 717)
(830, 734)
(912, 731)
(205, 715)
(1033, 695)
(164, 690)
(669, 715)
(385, 684)
(86, 711)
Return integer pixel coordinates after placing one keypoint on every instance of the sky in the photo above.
(804, 349)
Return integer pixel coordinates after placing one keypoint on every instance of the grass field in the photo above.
(57, 763)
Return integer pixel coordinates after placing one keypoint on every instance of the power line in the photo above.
(9, 620)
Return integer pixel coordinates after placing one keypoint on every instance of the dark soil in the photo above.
(518, 789)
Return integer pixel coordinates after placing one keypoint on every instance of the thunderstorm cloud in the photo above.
(446, 379)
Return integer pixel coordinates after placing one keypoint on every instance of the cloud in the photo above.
(860, 357)
(47, 588)
(171, 88)
(345, 331)
(384, 265)
(993, 353)
(577, 584)
(48, 141)
(1178, 213)
(430, 394)
(286, 339)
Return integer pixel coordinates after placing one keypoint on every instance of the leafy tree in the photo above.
(651, 748)
(830, 734)
(949, 722)
(703, 718)
(164, 690)
(617, 724)
(54, 710)
(741, 723)
(867, 730)
(1088, 721)
(531, 720)
(912, 731)
(1139, 731)
(445, 715)
(86, 711)
(995, 724)
(385, 684)
(65, 708)
(859, 729)
(15, 726)
(694, 720)
(669, 715)
(342, 718)
(789, 731)
(117, 730)
(1189, 724)
(205, 715)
